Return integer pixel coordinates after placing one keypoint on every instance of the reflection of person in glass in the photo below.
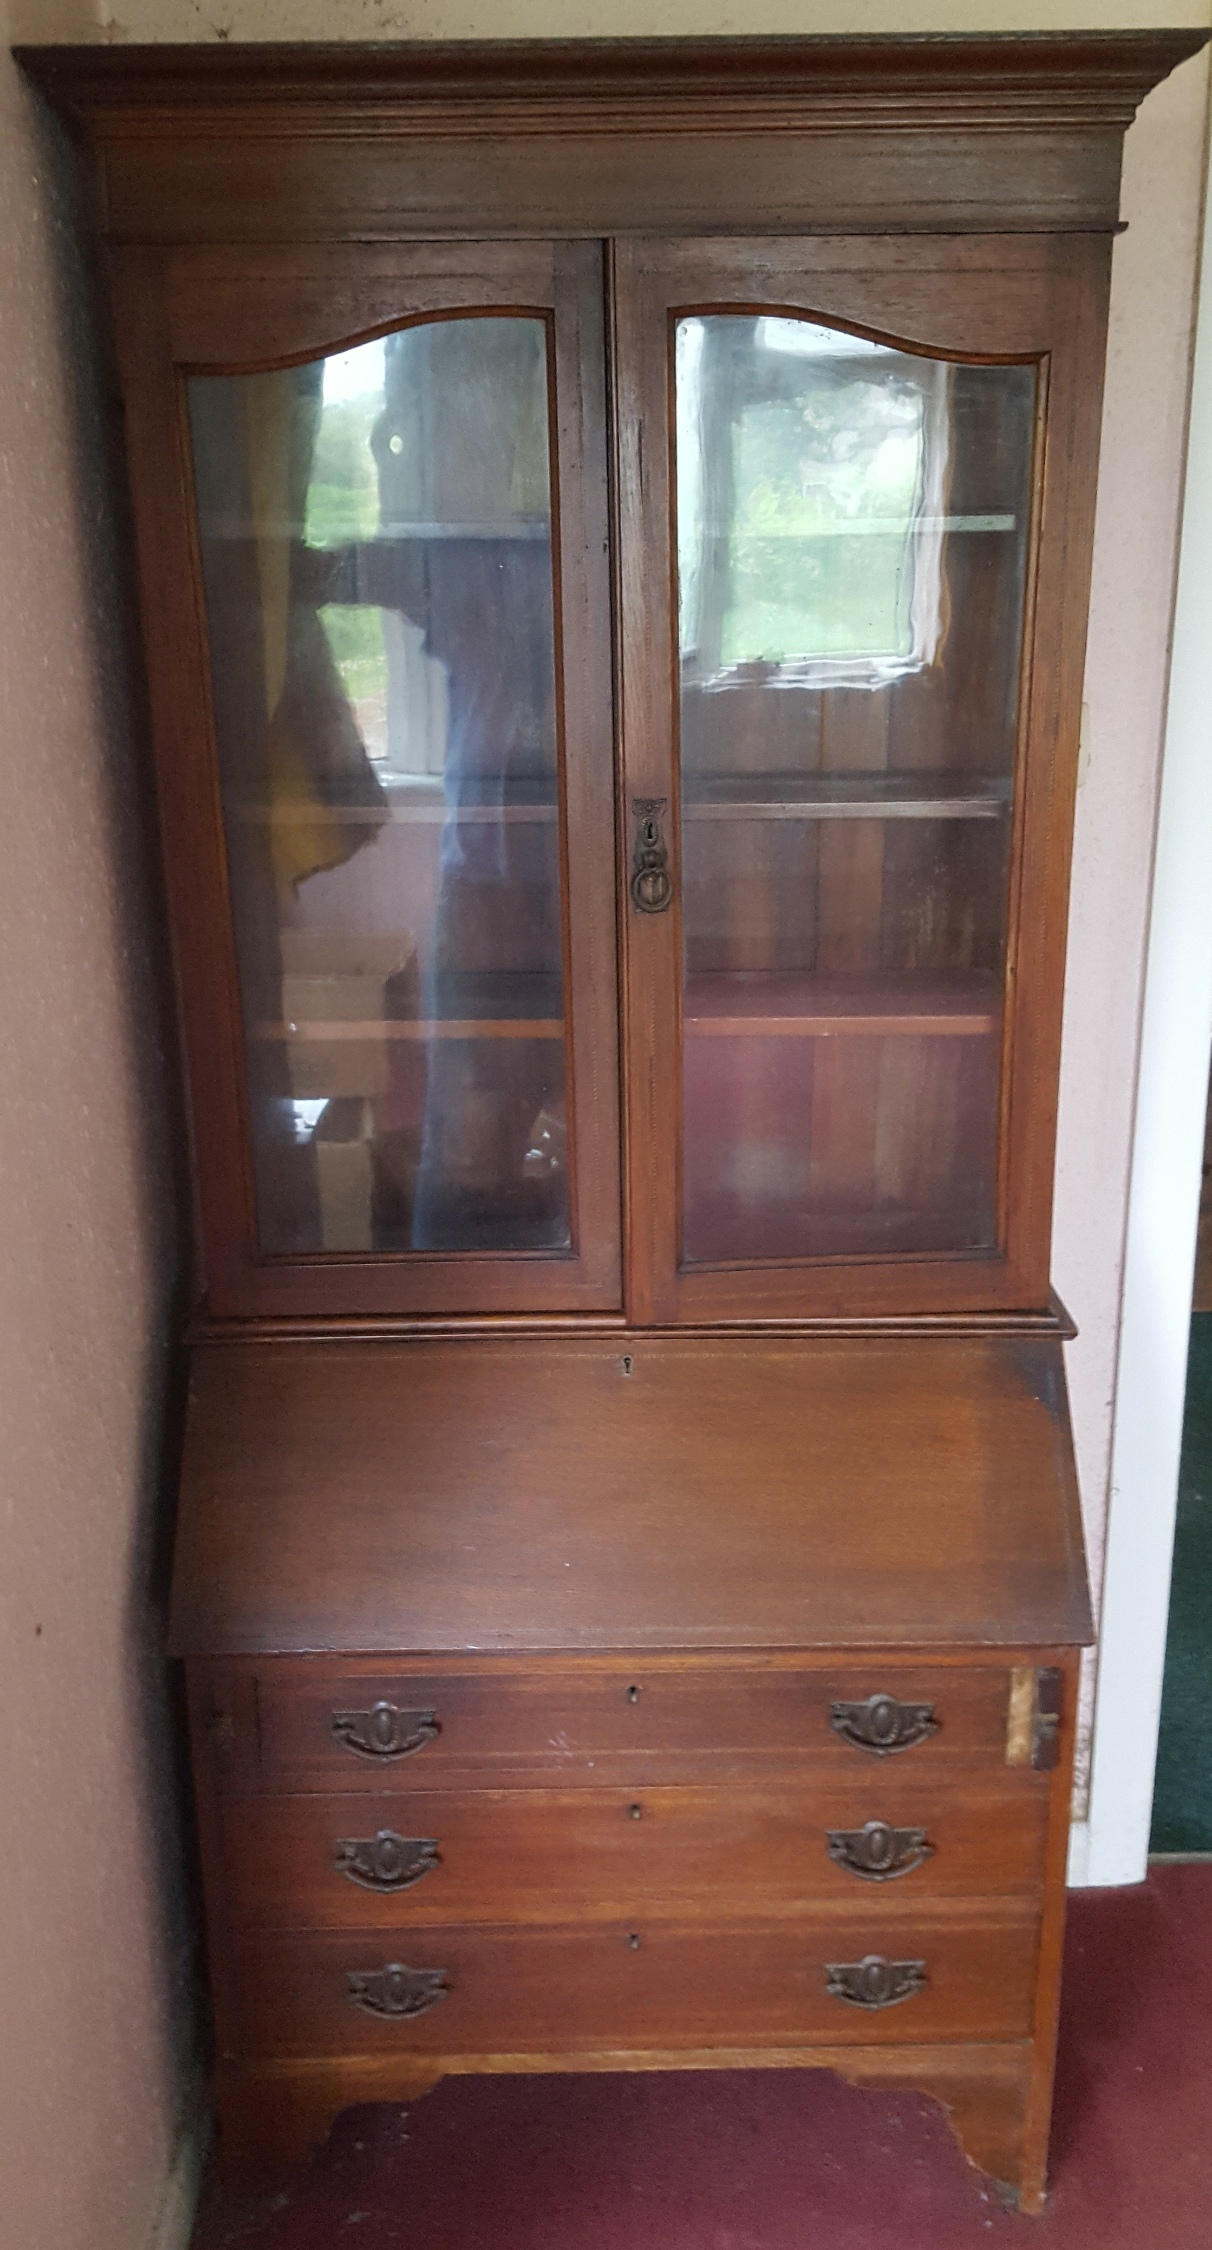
(464, 554)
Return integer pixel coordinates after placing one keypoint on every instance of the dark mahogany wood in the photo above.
(514, 1496)
(1041, 303)
(596, 1855)
(996, 2096)
(244, 160)
(564, 1989)
(179, 314)
(1091, 78)
(609, 1534)
(595, 1720)
(274, 2114)
(353, 142)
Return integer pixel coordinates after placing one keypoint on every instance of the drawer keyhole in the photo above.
(635, 1812)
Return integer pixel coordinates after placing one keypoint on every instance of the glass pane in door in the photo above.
(376, 544)
(852, 536)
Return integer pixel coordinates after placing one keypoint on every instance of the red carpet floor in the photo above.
(784, 2160)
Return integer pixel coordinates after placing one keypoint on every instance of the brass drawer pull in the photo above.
(874, 1982)
(396, 1990)
(882, 1724)
(386, 1862)
(877, 1852)
(384, 1731)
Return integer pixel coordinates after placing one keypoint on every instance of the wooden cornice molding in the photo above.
(592, 138)
(1097, 79)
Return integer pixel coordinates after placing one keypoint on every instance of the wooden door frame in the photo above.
(1163, 1203)
(231, 310)
(1051, 308)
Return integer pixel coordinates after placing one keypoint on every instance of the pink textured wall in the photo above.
(93, 1999)
(93, 1957)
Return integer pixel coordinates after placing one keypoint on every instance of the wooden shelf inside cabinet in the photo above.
(770, 797)
(883, 527)
(731, 1003)
(463, 1005)
(760, 1004)
(949, 796)
(422, 1027)
(408, 804)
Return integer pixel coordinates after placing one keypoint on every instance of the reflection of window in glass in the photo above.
(461, 450)
(397, 691)
(812, 473)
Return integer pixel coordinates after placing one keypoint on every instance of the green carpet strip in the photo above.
(1182, 1798)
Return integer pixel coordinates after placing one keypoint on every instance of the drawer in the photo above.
(534, 1856)
(630, 1986)
(298, 1724)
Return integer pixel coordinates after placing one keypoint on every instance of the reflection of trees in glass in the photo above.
(343, 505)
(846, 458)
(811, 468)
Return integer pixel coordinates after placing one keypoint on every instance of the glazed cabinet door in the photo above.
(854, 478)
(370, 491)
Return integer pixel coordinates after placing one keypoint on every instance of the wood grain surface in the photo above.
(628, 1571)
(599, 1855)
(600, 1722)
(956, 135)
(564, 1988)
(680, 1494)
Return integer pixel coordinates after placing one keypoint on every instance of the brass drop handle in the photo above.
(651, 881)
(877, 1852)
(386, 1862)
(395, 1989)
(874, 1982)
(384, 1731)
(883, 1724)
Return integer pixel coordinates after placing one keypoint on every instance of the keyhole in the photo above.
(635, 1812)
(634, 1941)
(626, 1364)
(633, 1695)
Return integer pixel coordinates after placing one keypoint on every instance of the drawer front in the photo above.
(529, 1856)
(300, 1724)
(631, 1986)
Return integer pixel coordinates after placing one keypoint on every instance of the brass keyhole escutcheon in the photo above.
(651, 881)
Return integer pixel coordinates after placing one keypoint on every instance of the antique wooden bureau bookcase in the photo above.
(614, 529)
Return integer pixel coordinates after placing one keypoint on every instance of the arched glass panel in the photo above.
(377, 554)
(852, 536)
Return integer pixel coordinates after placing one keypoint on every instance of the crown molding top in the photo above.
(1094, 79)
(545, 138)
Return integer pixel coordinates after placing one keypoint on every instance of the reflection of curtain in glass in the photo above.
(316, 759)
(928, 608)
(289, 751)
(464, 484)
(463, 555)
(716, 365)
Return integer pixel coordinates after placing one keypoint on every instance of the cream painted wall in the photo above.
(571, 19)
(1135, 549)
(94, 1952)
